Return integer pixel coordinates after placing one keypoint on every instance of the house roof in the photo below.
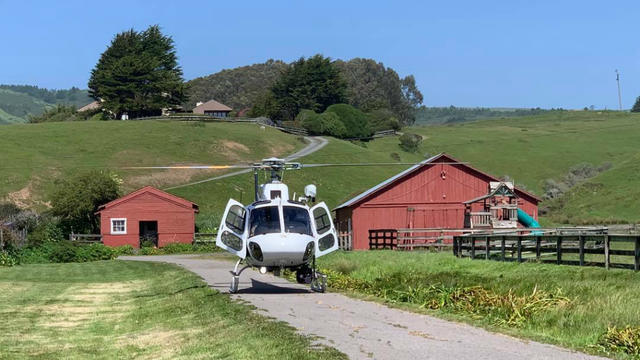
(411, 170)
(212, 105)
(90, 106)
(151, 190)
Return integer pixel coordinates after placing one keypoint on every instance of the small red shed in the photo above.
(440, 192)
(148, 214)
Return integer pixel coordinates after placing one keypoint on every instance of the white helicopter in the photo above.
(277, 232)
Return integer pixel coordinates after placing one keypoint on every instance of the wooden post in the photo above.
(503, 245)
(559, 249)
(606, 252)
(538, 243)
(455, 246)
(581, 250)
(519, 249)
(487, 245)
(473, 247)
(636, 262)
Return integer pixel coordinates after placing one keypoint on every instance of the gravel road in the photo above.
(362, 329)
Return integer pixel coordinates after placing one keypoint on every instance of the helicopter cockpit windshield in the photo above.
(296, 220)
(264, 220)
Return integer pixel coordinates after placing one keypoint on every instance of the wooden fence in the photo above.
(85, 238)
(604, 250)
(204, 238)
(345, 240)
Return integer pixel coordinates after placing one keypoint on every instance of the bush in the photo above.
(383, 119)
(354, 120)
(327, 123)
(65, 252)
(123, 250)
(7, 259)
(410, 142)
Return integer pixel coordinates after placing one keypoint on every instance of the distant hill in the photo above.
(238, 87)
(18, 102)
(449, 115)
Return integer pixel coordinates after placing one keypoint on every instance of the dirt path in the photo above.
(363, 329)
(314, 143)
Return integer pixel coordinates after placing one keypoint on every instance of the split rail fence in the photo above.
(604, 250)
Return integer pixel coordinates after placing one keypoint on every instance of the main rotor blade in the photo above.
(382, 164)
(185, 167)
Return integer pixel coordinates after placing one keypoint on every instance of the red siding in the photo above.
(432, 196)
(176, 222)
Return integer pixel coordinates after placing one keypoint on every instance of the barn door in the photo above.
(232, 233)
(323, 229)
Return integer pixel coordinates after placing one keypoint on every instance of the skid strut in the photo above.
(318, 279)
(235, 277)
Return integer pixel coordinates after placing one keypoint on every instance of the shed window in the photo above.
(118, 226)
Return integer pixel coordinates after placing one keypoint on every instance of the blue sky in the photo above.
(463, 53)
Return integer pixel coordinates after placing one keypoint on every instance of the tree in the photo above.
(355, 121)
(77, 199)
(636, 106)
(410, 142)
(313, 83)
(138, 74)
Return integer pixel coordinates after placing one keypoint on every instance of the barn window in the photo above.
(118, 226)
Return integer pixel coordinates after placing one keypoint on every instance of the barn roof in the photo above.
(151, 190)
(411, 170)
(212, 105)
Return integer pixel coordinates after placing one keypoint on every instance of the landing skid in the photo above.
(317, 280)
(235, 277)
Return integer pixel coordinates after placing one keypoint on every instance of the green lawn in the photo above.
(121, 309)
(35, 154)
(595, 298)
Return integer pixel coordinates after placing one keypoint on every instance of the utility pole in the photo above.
(619, 94)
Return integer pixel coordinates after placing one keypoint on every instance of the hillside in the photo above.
(18, 102)
(34, 155)
(451, 115)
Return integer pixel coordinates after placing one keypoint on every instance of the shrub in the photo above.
(383, 119)
(7, 259)
(624, 340)
(327, 123)
(122, 250)
(410, 142)
(65, 252)
(355, 121)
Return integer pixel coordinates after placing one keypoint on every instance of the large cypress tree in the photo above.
(636, 106)
(313, 84)
(138, 74)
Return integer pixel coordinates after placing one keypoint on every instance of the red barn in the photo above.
(440, 192)
(147, 214)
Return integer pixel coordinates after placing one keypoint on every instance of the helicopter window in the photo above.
(326, 242)
(323, 223)
(264, 220)
(235, 218)
(296, 220)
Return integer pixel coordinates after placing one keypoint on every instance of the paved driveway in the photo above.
(363, 329)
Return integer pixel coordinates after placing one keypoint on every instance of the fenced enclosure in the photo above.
(604, 250)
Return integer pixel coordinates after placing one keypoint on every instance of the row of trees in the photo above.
(139, 75)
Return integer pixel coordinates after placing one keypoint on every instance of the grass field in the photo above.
(35, 154)
(118, 309)
(595, 298)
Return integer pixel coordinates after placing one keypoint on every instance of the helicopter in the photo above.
(276, 231)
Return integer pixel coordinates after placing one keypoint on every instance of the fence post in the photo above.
(455, 246)
(503, 245)
(538, 243)
(473, 247)
(606, 252)
(581, 250)
(519, 249)
(607, 258)
(487, 245)
(559, 250)
(636, 263)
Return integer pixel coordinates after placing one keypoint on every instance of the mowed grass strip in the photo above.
(566, 305)
(121, 309)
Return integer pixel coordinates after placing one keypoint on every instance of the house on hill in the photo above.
(440, 192)
(147, 214)
(90, 106)
(212, 108)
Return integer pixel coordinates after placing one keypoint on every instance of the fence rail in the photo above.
(604, 250)
(85, 238)
(204, 238)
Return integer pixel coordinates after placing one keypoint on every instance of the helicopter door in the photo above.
(324, 229)
(231, 234)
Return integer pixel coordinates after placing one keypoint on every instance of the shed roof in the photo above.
(411, 170)
(212, 105)
(90, 106)
(151, 190)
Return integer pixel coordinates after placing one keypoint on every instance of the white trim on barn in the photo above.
(115, 228)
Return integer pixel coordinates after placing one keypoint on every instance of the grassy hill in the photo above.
(33, 155)
(528, 149)
(18, 102)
